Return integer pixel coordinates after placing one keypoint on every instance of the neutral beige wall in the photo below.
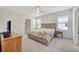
(52, 18)
(18, 23)
(16, 19)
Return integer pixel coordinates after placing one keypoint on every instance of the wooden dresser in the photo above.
(12, 44)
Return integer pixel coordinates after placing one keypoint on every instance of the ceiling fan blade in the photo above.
(42, 11)
(38, 9)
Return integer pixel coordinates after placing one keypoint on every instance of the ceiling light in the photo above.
(37, 11)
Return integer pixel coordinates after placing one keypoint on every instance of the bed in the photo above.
(43, 35)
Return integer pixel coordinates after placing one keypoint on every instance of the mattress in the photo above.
(41, 36)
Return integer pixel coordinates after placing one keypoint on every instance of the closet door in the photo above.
(27, 25)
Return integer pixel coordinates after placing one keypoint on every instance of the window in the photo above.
(62, 22)
(38, 23)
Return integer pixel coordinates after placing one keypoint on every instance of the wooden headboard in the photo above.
(48, 25)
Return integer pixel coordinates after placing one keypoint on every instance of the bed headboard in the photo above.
(48, 25)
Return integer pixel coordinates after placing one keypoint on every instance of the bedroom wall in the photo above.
(6, 15)
(18, 23)
(18, 20)
(52, 18)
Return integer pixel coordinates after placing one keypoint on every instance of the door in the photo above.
(77, 26)
(27, 25)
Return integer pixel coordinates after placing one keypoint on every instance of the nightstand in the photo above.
(59, 34)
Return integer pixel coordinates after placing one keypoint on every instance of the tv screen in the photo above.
(9, 26)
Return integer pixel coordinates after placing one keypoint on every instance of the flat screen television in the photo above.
(8, 32)
(9, 27)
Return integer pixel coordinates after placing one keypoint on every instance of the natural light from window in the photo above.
(38, 23)
(62, 22)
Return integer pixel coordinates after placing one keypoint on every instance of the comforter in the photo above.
(42, 37)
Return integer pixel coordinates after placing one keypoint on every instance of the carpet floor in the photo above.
(56, 45)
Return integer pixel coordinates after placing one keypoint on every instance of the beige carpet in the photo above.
(56, 45)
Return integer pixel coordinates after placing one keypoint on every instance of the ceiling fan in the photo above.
(38, 10)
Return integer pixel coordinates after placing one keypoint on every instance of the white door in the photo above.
(27, 26)
(77, 24)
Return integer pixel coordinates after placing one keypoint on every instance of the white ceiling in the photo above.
(30, 10)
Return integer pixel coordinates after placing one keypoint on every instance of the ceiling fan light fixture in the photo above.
(37, 11)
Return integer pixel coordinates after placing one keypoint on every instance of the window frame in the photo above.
(36, 23)
(64, 22)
